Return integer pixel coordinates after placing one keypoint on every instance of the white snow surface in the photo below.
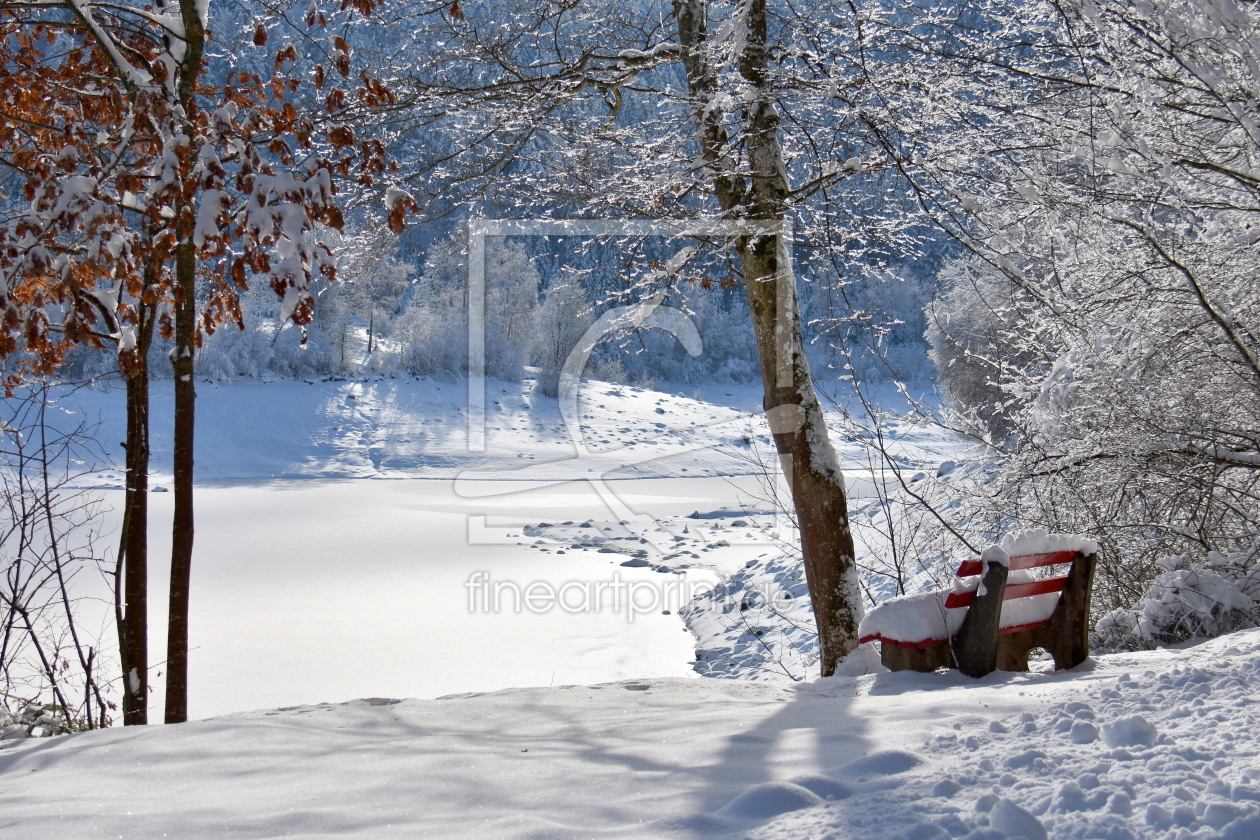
(345, 578)
(312, 588)
(1156, 745)
(357, 587)
(1037, 541)
(419, 428)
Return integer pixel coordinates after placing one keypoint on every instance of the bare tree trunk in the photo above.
(185, 400)
(182, 526)
(791, 403)
(131, 584)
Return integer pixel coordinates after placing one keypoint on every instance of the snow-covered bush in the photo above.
(432, 331)
(1188, 600)
(35, 720)
(54, 647)
(269, 346)
(720, 316)
(564, 317)
(1109, 208)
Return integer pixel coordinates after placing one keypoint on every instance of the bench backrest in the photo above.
(1015, 590)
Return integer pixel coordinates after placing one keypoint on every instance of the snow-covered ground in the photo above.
(1157, 745)
(313, 586)
(419, 428)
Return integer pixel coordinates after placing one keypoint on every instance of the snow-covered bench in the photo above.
(997, 611)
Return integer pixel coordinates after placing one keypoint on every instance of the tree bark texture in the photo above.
(760, 199)
(185, 398)
(131, 594)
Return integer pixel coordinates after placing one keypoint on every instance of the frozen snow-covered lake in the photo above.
(335, 546)
(324, 591)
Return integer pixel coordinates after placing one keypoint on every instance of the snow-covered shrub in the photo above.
(564, 317)
(608, 370)
(54, 648)
(432, 330)
(269, 346)
(720, 317)
(1141, 430)
(35, 720)
(1188, 600)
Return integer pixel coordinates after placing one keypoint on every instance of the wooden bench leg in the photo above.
(1065, 635)
(975, 644)
(925, 660)
(1013, 649)
(1067, 632)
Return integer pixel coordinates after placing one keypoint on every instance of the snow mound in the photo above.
(888, 763)
(1014, 821)
(761, 802)
(864, 659)
(1129, 731)
(1247, 828)
(824, 786)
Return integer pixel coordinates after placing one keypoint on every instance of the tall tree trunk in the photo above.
(182, 526)
(131, 592)
(185, 393)
(792, 407)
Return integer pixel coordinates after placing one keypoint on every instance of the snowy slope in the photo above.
(419, 428)
(1148, 745)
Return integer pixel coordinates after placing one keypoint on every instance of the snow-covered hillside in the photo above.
(405, 427)
(1134, 746)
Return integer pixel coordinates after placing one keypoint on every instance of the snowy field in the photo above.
(1157, 745)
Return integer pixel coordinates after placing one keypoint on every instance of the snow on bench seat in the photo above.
(925, 620)
(932, 618)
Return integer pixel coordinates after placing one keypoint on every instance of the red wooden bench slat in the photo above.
(1014, 590)
(1023, 561)
(926, 643)
(1020, 627)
